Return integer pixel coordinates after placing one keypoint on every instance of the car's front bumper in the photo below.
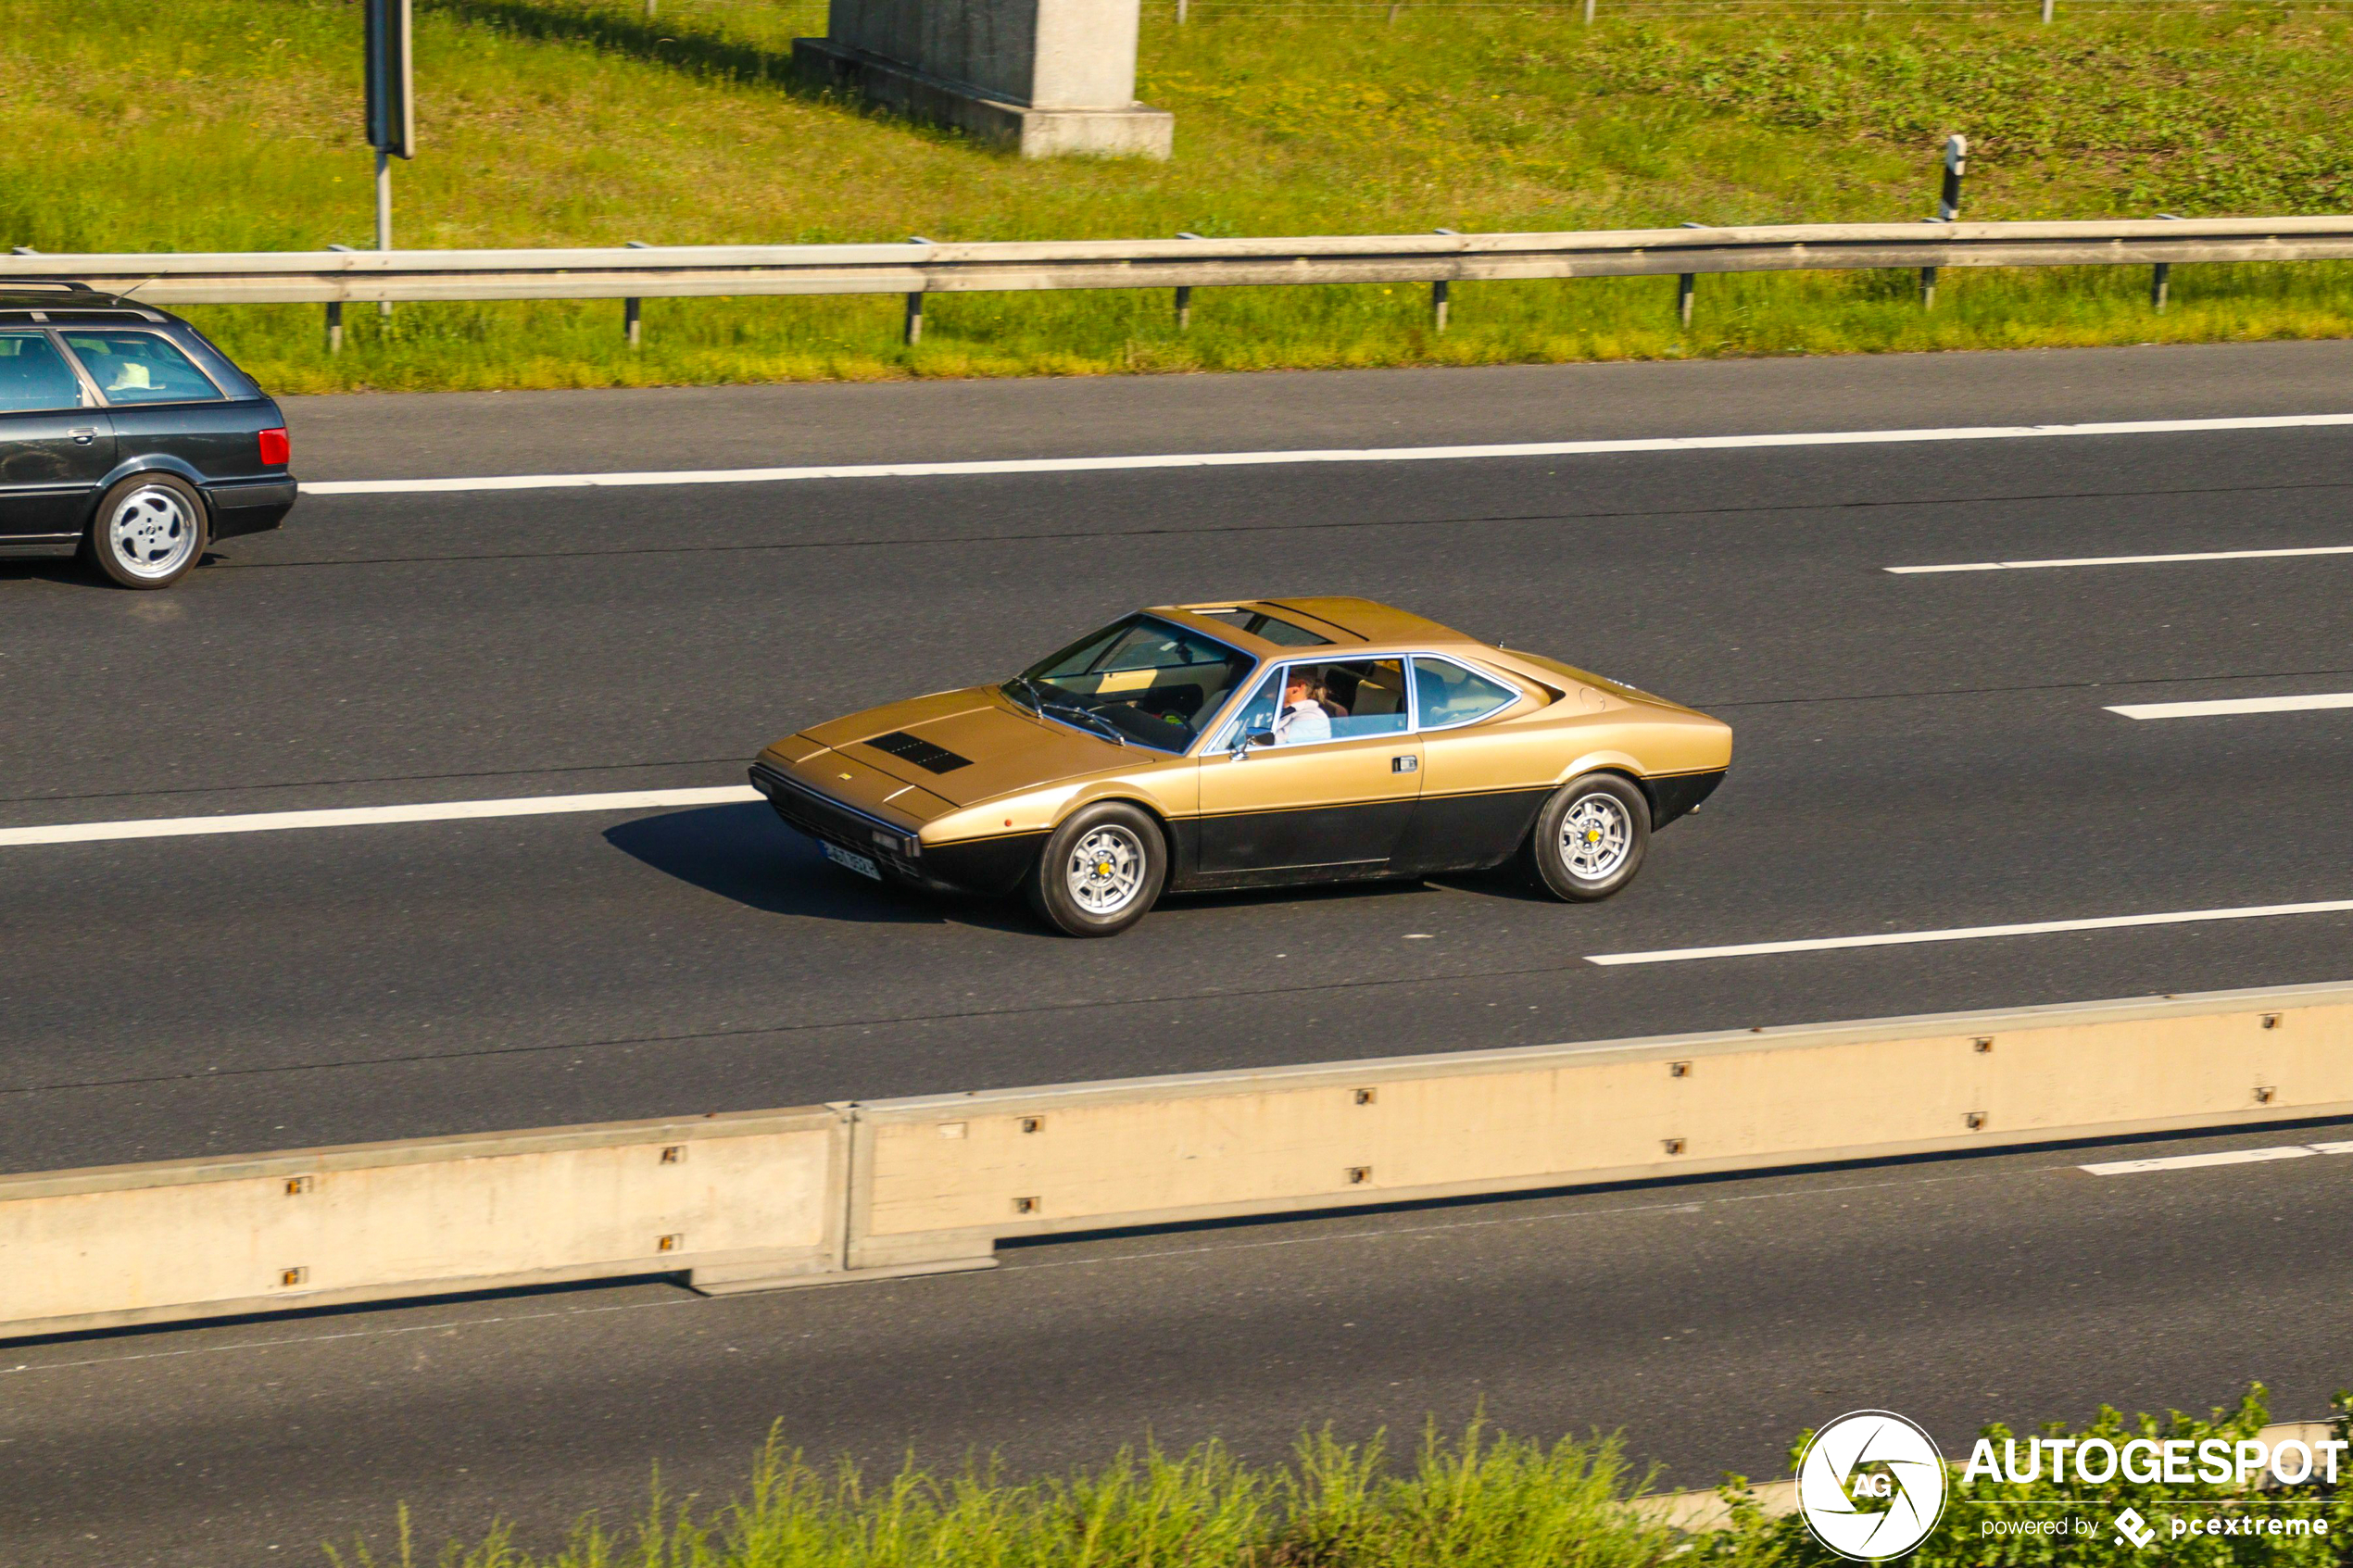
(982, 865)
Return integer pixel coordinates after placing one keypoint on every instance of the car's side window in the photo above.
(1445, 694)
(1341, 700)
(1256, 716)
(34, 376)
(139, 367)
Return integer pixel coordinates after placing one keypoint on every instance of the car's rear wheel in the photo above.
(1101, 870)
(149, 531)
(1590, 838)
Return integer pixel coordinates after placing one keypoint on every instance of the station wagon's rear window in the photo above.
(34, 376)
(1274, 628)
(139, 367)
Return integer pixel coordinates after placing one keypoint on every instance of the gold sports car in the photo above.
(1249, 745)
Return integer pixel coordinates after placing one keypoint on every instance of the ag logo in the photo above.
(1871, 1484)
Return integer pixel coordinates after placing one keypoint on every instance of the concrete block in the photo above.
(1050, 77)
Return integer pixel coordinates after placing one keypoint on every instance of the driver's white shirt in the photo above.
(1303, 721)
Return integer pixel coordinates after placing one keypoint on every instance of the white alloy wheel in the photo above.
(1106, 870)
(151, 533)
(1597, 833)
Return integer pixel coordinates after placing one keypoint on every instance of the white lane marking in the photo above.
(1971, 933)
(2196, 1161)
(1328, 455)
(370, 816)
(2121, 560)
(2235, 704)
(2330, 1147)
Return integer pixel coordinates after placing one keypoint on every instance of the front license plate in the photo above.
(855, 861)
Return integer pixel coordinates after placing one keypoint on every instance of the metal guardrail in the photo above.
(920, 267)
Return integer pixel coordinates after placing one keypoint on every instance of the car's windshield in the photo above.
(1142, 679)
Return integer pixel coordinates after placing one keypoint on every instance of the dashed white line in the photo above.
(371, 816)
(1325, 455)
(2198, 1161)
(2121, 560)
(1971, 933)
(2222, 705)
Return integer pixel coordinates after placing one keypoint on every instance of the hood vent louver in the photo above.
(921, 752)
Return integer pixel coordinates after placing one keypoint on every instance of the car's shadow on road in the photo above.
(744, 853)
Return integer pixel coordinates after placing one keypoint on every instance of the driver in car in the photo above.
(1302, 717)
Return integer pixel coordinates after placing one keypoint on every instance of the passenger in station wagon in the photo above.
(1304, 717)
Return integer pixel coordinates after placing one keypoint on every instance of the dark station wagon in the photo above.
(127, 436)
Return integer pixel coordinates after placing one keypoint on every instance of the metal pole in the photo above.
(334, 326)
(1184, 290)
(1686, 286)
(913, 332)
(629, 320)
(1180, 13)
(1589, 13)
(1948, 203)
(1439, 291)
(2047, 12)
(2161, 276)
(384, 213)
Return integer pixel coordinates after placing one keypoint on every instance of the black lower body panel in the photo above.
(984, 865)
(1467, 833)
(248, 508)
(1678, 794)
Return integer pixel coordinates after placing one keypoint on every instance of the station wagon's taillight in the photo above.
(276, 450)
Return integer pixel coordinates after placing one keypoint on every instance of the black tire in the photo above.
(1608, 806)
(164, 534)
(1135, 854)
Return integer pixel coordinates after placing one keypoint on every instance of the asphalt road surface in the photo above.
(1916, 752)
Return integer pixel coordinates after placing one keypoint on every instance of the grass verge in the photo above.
(1479, 1500)
(232, 124)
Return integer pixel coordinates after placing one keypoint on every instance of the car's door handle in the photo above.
(83, 436)
(1404, 764)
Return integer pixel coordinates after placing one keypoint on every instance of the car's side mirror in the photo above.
(1260, 737)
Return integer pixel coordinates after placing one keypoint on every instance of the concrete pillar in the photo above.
(1048, 77)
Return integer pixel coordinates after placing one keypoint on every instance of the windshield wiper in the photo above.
(1084, 716)
(1019, 685)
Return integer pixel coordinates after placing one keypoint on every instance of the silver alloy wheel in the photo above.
(151, 533)
(1106, 870)
(1597, 833)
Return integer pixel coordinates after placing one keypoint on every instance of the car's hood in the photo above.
(984, 744)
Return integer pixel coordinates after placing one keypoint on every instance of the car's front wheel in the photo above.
(1590, 838)
(1100, 870)
(149, 531)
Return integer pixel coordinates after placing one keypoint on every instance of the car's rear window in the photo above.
(34, 376)
(139, 367)
(1273, 628)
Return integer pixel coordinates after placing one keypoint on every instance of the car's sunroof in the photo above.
(1273, 628)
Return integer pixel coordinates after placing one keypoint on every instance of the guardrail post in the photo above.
(1948, 204)
(1589, 13)
(1439, 292)
(1686, 286)
(2047, 12)
(1180, 13)
(1184, 290)
(629, 307)
(334, 326)
(2161, 275)
(913, 332)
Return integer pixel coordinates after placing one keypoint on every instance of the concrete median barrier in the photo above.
(732, 1197)
(764, 1199)
(947, 1175)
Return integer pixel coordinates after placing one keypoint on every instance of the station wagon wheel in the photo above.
(1100, 870)
(148, 532)
(1590, 838)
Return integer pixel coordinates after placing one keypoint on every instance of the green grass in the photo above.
(1480, 1500)
(232, 124)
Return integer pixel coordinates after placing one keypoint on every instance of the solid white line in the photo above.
(370, 816)
(1970, 933)
(2121, 560)
(1331, 455)
(2195, 1161)
(2235, 704)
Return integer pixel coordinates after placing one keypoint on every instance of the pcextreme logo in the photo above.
(1871, 1484)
